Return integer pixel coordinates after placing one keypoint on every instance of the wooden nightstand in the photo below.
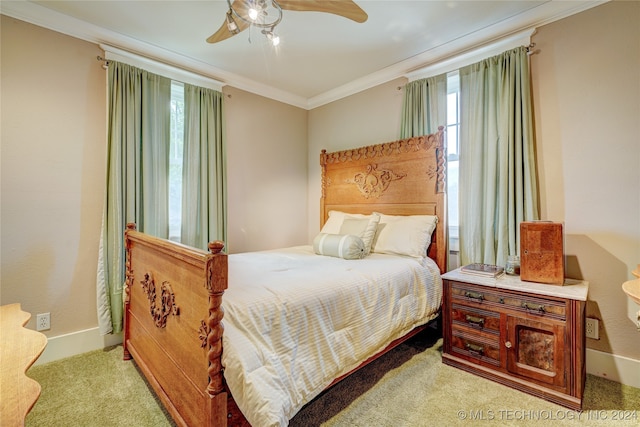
(529, 336)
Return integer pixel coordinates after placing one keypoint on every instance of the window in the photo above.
(453, 145)
(453, 113)
(175, 160)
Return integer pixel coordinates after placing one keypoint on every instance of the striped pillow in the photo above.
(345, 246)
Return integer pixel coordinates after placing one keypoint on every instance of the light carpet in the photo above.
(409, 386)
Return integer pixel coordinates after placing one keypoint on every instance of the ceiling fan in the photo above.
(267, 15)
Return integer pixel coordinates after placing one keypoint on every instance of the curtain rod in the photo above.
(159, 67)
(472, 54)
(106, 62)
(530, 50)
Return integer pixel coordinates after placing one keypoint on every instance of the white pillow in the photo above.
(334, 222)
(363, 226)
(344, 246)
(404, 235)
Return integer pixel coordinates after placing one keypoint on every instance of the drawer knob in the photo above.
(533, 307)
(508, 344)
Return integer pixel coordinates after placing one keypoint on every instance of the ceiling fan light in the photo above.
(232, 26)
(253, 14)
(272, 37)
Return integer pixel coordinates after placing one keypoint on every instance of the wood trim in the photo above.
(186, 376)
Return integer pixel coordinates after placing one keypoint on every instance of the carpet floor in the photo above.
(409, 386)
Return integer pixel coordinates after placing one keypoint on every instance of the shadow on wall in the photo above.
(587, 260)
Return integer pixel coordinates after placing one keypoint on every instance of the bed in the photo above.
(293, 321)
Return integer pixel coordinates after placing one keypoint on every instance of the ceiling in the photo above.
(321, 56)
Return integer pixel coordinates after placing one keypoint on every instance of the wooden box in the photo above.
(542, 252)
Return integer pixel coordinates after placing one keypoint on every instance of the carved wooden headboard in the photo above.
(405, 177)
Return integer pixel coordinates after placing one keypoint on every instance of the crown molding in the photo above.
(61, 23)
(450, 53)
(528, 21)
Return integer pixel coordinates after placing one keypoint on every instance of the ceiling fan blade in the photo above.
(223, 33)
(346, 8)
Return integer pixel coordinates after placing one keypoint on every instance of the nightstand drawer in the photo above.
(475, 348)
(488, 298)
(483, 320)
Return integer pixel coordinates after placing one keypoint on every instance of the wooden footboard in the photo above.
(173, 330)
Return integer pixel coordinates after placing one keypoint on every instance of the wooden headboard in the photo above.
(405, 177)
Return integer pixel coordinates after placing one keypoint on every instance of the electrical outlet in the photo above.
(591, 328)
(43, 322)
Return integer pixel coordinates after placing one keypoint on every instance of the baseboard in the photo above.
(76, 343)
(616, 368)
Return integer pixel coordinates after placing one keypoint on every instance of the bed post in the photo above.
(442, 229)
(127, 289)
(323, 186)
(216, 285)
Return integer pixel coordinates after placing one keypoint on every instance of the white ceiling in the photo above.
(321, 57)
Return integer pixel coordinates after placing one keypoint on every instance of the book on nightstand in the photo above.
(485, 270)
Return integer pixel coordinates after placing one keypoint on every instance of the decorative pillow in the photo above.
(363, 227)
(404, 235)
(360, 225)
(344, 246)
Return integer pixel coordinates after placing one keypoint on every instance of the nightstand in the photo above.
(528, 336)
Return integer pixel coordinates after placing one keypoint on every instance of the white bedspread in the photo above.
(294, 321)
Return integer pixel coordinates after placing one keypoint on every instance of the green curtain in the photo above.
(137, 176)
(497, 181)
(424, 106)
(204, 206)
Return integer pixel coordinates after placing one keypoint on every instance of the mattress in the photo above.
(294, 321)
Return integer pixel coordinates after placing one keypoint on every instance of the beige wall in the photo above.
(53, 157)
(586, 81)
(53, 163)
(267, 172)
